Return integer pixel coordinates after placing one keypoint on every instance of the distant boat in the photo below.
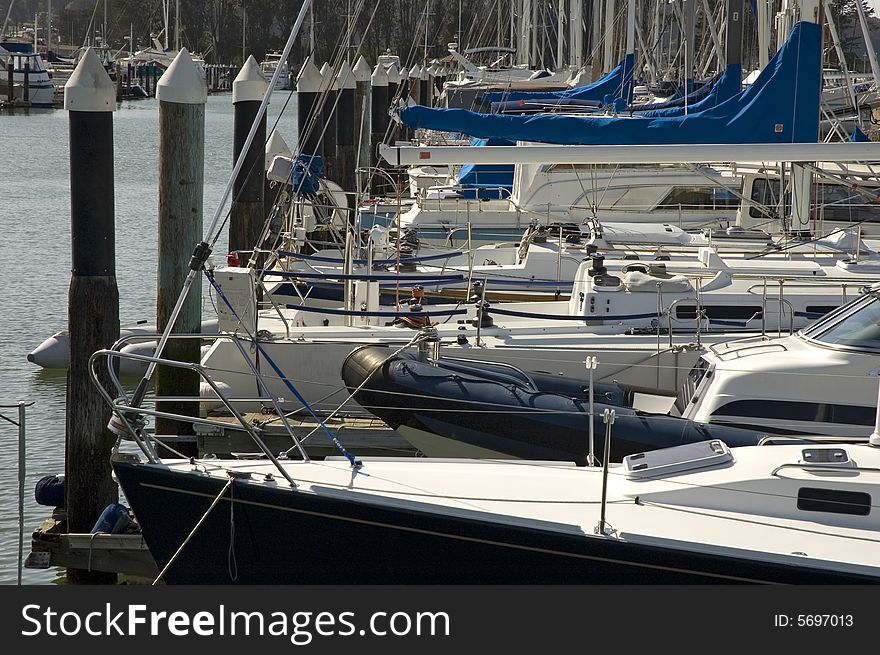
(268, 66)
(21, 57)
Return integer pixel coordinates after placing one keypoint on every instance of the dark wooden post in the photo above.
(328, 116)
(415, 83)
(182, 95)
(93, 300)
(27, 80)
(246, 219)
(403, 93)
(345, 132)
(10, 80)
(379, 118)
(393, 82)
(425, 94)
(308, 87)
(362, 73)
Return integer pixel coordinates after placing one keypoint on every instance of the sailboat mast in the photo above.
(177, 26)
(872, 53)
(165, 10)
(6, 20)
(104, 29)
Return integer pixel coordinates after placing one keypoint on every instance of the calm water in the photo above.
(35, 234)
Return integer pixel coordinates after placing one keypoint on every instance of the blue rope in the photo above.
(426, 279)
(403, 258)
(346, 312)
(560, 317)
(351, 458)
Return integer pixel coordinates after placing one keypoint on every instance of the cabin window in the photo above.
(833, 501)
(831, 202)
(696, 197)
(860, 329)
(787, 410)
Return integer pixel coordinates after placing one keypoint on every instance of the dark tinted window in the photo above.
(799, 411)
(833, 501)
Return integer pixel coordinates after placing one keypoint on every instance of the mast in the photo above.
(560, 31)
(104, 28)
(608, 54)
(872, 54)
(576, 34)
(6, 20)
(525, 31)
(176, 25)
(165, 11)
(763, 35)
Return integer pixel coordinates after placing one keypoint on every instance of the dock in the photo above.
(125, 554)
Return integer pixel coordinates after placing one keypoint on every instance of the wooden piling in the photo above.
(415, 83)
(93, 299)
(10, 82)
(379, 118)
(246, 219)
(308, 87)
(27, 81)
(425, 95)
(345, 132)
(328, 121)
(182, 95)
(362, 73)
(403, 94)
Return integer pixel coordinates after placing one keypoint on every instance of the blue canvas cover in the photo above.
(781, 106)
(487, 180)
(726, 86)
(617, 83)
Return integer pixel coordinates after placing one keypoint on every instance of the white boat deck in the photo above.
(740, 509)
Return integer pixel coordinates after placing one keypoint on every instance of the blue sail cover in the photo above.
(782, 106)
(487, 180)
(618, 83)
(725, 87)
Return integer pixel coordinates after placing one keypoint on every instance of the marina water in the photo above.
(35, 234)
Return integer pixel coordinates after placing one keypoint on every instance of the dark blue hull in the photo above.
(288, 537)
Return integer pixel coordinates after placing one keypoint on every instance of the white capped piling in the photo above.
(393, 90)
(182, 94)
(276, 146)
(437, 78)
(93, 299)
(415, 83)
(308, 88)
(246, 216)
(345, 131)
(425, 94)
(393, 82)
(328, 120)
(362, 73)
(378, 114)
(403, 93)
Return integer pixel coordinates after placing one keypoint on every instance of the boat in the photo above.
(270, 64)
(454, 407)
(30, 79)
(646, 322)
(697, 513)
(823, 379)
